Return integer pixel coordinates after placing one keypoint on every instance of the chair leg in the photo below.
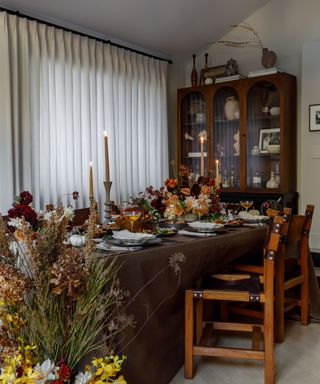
(269, 371)
(279, 301)
(188, 343)
(199, 319)
(305, 303)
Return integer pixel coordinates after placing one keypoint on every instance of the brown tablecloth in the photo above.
(156, 349)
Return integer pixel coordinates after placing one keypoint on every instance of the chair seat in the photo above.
(243, 283)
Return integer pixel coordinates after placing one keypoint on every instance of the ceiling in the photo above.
(168, 28)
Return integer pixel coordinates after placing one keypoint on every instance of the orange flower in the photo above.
(171, 183)
(205, 190)
(19, 235)
(185, 191)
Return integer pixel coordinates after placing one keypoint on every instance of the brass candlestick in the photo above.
(108, 203)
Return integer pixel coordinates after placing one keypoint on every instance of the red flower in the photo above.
(64, 372)
(25, 198)
(75, 195)
(57, 382)
(171, 183)
(27, 212)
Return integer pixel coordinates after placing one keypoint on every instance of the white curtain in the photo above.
(58, 93)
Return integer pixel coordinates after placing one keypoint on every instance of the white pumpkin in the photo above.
(77, 240)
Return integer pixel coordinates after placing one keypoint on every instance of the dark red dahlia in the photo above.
(75, 195)
(25, 198)
(158, 204)
(27, 212)
(64, 372)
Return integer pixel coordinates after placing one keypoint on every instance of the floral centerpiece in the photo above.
(58, 304)
(176, 199)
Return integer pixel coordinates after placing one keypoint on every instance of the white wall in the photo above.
(310, 141)
(286, 27)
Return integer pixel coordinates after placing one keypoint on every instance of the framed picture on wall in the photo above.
(314, 117)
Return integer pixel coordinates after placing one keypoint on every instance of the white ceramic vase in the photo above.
(231, 108)
(272, 183)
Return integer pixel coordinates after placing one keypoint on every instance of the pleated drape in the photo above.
(59, 92)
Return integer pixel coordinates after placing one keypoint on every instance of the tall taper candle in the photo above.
(106, 155)
(91, 182)
(202, 156)
(217, 174)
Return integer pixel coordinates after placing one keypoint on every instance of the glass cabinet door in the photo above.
(226, 131)
(194, 133)
(263, 136)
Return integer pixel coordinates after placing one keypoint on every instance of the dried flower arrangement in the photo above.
(60, 305)
(57, 302)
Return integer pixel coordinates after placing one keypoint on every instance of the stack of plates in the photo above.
(203, 226)
(129, 238)
(248, 218)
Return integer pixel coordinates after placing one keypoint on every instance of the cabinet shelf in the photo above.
(193, 124)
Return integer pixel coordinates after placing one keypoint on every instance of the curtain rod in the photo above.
(19, 14)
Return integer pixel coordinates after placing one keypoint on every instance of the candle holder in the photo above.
(108, 203)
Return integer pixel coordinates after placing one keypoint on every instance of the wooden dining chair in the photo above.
(291, 270)
(239, 288)
(80, 216)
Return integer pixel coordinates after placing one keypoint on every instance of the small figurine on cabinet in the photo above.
(236, 145)
(188, 136)
(231, 67)
(272, 183)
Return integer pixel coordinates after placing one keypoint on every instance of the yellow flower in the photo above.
(96, 361)
(29, 376)
(120, 380)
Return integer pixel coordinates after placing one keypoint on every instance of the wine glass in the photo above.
(132, 214)
(246, 204)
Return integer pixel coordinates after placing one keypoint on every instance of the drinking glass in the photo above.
(132, 214)
(246, 204)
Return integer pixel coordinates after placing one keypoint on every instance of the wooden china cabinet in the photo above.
(249, 126)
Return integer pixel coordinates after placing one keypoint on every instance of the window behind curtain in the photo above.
(59, 92)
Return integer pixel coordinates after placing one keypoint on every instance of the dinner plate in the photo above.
(247, 218)
(128, 243)
(205, 227)
(127, 237)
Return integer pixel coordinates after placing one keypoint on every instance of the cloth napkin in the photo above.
(183, 232)
(127, 235)
(114, 248)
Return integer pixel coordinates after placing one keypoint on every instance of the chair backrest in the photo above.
(271, 251)
(298, 235)
(286, 215)
(80, 216)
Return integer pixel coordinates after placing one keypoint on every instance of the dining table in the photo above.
(156, 278)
